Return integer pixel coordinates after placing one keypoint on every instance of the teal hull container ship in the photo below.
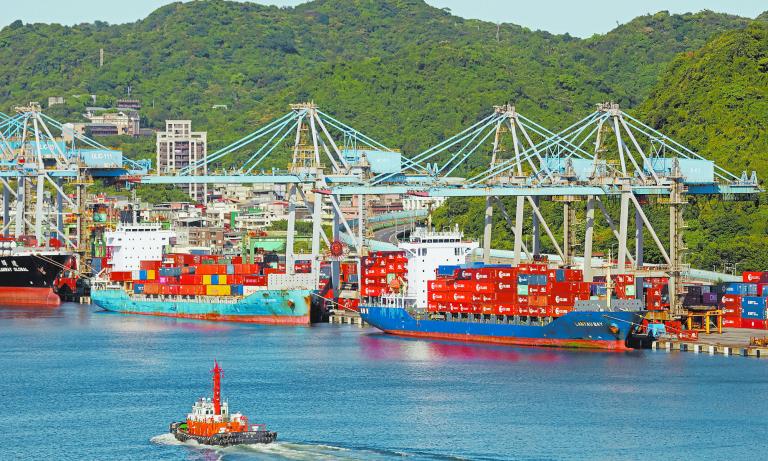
(269, 307)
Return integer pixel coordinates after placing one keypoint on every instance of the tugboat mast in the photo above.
(216, 387)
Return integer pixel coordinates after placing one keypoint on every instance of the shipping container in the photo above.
(217, 290)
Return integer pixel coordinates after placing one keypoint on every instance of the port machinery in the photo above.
(608, 156)
(38, 152)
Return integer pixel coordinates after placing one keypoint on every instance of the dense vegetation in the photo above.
(403, 72)
(716, 100)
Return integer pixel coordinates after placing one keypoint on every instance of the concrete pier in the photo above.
(733, 342)
(346, 317)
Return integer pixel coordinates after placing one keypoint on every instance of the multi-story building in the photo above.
(125, 122)
(179, 147)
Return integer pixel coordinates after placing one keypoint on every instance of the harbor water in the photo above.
(79, 383)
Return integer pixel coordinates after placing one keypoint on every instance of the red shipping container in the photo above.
(488, 309)
(372, 291)
(150, 265)
(562, 300)
(236, 279)
(754, 277)
(120, 276)
(730, 301)
(464, 308)
(574, 275)
(508, 296)
(461, 297)
(464, 285)
(484, 274)
(753, 323)
(523, 310)
(537, 311)
(730, 311)
(484, 287)
(521, 300)
(559, 311)
(624, 279)
(438, 285)
(504, 275)
(488, 298)
(505, 309)
(505, 286)
(537, 289)
(437, 296)
(732, 322)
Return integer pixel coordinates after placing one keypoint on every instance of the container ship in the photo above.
(206, 287)
(211, 422)
(428, 290)
(29, 273)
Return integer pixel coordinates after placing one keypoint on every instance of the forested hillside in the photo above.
(716, 100)
(410, 75)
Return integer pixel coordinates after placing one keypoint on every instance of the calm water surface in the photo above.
(80, 384)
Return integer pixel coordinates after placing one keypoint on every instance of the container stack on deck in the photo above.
(384, 272)
(529, 290)
(201, 275)
(744, 304)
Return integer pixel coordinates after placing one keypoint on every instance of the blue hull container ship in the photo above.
(440, 296)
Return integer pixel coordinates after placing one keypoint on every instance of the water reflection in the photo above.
(380, 346)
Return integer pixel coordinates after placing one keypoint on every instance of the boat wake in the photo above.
(294, 451)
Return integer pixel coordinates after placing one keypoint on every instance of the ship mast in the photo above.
(216, 387)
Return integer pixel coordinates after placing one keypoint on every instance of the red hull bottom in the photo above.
(510, 341)
(34, 297)
(257, 319)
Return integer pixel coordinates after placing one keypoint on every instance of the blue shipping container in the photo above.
(744, 289)
(523, 279)
(138, 288)
(753, 313)
(537, 279)
(237, 290)
(560, 275)
(214, 279)
(446, 270)
(170, 271)
(142, 274)
(753, 302)
(230, 269)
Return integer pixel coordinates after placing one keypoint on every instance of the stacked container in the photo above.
(383, 272)
(527, 290)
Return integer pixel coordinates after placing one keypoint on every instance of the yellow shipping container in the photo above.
(217, 290)
(223, 280)
(206, 280)
(151, 274)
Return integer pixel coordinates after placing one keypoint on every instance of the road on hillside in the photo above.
(389, 234)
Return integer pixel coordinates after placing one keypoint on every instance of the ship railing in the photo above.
(395, 301)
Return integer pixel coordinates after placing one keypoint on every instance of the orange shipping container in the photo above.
(151, 288)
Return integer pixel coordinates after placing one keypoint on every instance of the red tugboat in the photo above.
(211, 423)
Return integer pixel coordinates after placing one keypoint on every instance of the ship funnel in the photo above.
(216, 387)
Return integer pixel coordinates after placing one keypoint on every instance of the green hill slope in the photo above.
(715, 100)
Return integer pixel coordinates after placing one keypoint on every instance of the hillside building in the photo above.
(179, 147)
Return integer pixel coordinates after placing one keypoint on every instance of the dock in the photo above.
(732, 342)
(347, 317)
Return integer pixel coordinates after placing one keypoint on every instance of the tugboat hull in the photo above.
(224, 439)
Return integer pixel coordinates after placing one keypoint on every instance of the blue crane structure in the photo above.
(37, 151)
(608, 154)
